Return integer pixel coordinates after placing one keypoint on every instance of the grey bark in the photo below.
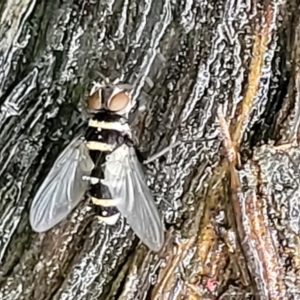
(186, 59)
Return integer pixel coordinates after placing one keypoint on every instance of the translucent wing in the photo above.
(63, 188)
(125, 179)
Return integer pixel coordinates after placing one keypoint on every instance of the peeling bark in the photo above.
(233, 224)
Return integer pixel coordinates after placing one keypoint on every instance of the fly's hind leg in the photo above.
(161, 153)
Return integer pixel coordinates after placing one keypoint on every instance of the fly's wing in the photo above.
(63, 187)
(125, 179)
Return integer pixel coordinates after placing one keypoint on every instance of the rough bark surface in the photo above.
(232, 229)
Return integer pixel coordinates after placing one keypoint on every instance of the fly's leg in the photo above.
(161, 153)
(169, 148)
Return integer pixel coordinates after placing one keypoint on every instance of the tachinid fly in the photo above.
(104, 161)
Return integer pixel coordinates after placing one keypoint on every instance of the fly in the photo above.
(103, 161)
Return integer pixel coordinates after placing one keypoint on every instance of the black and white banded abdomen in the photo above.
(104, 135)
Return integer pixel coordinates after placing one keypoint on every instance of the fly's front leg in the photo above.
(161, 153)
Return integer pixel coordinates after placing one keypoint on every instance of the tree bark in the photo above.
(222, 77)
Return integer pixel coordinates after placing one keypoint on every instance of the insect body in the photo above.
(105, 162)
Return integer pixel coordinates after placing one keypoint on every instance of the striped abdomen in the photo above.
(104, 134)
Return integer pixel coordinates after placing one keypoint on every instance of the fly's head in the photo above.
(115, 99)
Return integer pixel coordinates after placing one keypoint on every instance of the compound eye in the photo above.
(119, 101)
(94, 102)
